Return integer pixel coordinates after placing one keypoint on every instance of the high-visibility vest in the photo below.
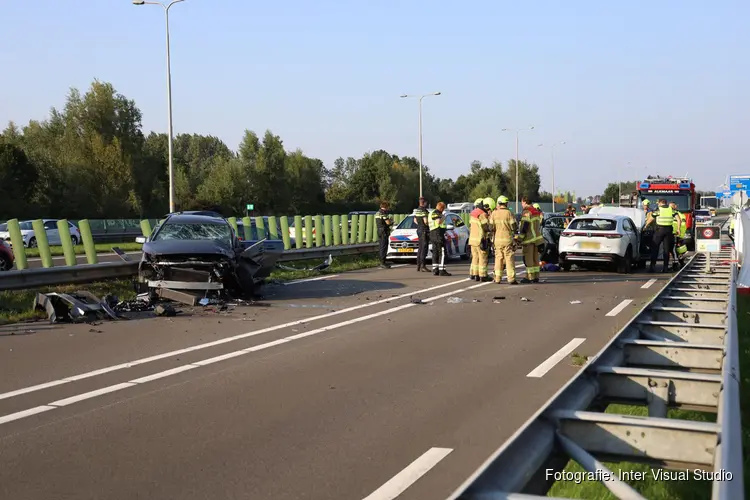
(436, 222)
(533, 233)
(683, 225)
(731, 223)
(478, 230)
(664, 216)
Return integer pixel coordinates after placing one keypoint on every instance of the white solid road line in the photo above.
(215, 359)
(619, 307)
(295, 282)
(401, 481)
(649, 283)
(542, 369)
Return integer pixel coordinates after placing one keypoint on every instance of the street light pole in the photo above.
(420, 133)
(170, 132)
(552, 163)
(517, 131)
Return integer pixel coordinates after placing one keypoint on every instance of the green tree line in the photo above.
(92, 159)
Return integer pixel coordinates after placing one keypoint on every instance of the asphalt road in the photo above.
(337, 388)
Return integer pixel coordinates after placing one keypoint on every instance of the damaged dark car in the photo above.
(200, 255)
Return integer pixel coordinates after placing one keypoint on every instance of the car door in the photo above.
(555, 225)
(462, 230)
(53, 234)
(633, 238)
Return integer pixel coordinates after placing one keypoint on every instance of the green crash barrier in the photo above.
(336, 223)
(327, 230)
(371, 234)
(355, 230)
(247, 229)
(466, 218)
(273, 230)
(285, 232)
(260, 227)
(298, 231)
(318, 230)
(308, 231)
(67, 242)
(146, 228)
(345, 229)
(16, 239)
(362, 228)
(233, 222)
(41, 242)
(88, 241)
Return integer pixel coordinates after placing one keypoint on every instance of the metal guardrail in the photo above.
(681, 350)
(88, 273)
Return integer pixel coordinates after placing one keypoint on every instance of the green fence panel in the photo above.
(16, 239)
(371, 234)
(466, 218)
(318, 225)
(88, 241)
(354, 235)
(233, 222)
(298, 232)
(284, 221)
(67, 242)
(308, 231)
(273, 230)
(247, 229)
(146, 228)
(40, 234)
(336, 229)
(260, 227)
(344, 229)
(327, 230)
(362, 228)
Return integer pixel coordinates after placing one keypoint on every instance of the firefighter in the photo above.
(646, 206)
(732, 222)
(665, 218)
(570, 214)
(679, 230)
(478, 228)
(423, 233)
(530, 237)
(503, 226)
(437, 238)
(383, 222)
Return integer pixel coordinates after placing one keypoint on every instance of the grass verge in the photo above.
(16, 306)
(672, 490)
(100, 248)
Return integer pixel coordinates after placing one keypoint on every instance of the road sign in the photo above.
(708, 239)
(739, 183)
(727, 195)
(250, 206)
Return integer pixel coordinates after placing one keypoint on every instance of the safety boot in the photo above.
(443, 272)
(485, 279)
(525, 281)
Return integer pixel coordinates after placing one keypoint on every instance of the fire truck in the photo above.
(680, 190)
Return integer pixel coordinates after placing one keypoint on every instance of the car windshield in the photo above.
(408, 223)
(702, 212)
(220, 232)
(682, 200)
(593, 225)
(3, 227)
(26, 226)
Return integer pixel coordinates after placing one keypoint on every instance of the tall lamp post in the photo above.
(420, 131)
(517, 131)
(169, 96)
(552, 162)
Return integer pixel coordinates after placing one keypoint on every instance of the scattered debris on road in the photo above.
(498, 299)
(76, 306)
(320, 267)
(575, 302)
(524, 299)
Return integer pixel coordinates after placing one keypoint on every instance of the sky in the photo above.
(632, 87)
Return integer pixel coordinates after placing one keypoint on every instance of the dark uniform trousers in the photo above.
(383, 240)
(424, 242)
(663, 234)
(437, 238)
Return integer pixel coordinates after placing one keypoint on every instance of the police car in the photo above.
(404, 241)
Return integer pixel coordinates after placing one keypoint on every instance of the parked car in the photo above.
(703, 216)
(404, 240)
(601, 239)
(50, 226)
(6, 256)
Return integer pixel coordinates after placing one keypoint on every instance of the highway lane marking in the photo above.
(415, 470)
(619, 308)
(550, 362)
(649, 283)
(207, 345)
(295, 282)
(189, 366)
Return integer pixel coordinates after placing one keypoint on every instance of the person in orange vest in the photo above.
(479, 240)
(530, 237)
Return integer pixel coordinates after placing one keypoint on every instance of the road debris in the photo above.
(498, 299)
(459, 300)
(575, 302)
(524, 299)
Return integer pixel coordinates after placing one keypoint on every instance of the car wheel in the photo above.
(74, 240)
(564, 264)
(5, 263)
(467, 252)
(32, 242)
(625, 264)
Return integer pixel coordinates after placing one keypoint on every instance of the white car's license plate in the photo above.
(590, 245)
(405, 250)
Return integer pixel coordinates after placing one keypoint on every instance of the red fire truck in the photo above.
(680, 190)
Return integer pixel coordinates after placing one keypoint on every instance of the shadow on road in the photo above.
(325, 289)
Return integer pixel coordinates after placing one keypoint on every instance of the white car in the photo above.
(404, 241)
(601, 239)
(50, 226)
(703, 217)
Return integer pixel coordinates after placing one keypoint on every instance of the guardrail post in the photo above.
(327, 230)
(273, 229)
(336, 229)
(318, 231)
(146, 228)
(466, 218)
(247, 228)
(233, 222)
(16, 239)
(284, 221)
(362, 228)
(67, 243)
(355, 230)
(260, 227)
(88, 241)
(298, 231)
(370, 233)
(308, 231)
(41, 242)
(344, 229)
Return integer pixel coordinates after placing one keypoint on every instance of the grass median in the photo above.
(672, 490)
(16, 306)
(57, 251)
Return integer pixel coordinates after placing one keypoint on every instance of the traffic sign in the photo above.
(708, 239)
(250, 206)
(727, 195)
(739, 183)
